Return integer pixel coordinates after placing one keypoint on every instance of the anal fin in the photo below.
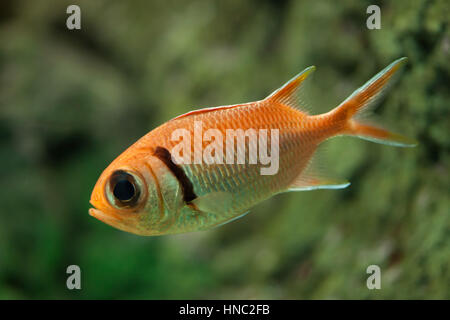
(313, 179)
(316, 183)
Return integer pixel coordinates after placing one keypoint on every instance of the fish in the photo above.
(149, 191)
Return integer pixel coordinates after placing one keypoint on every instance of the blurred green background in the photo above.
(71, 101)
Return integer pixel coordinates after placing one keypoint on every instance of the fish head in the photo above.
(126, 195)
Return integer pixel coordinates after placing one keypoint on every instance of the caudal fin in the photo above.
(351, 110)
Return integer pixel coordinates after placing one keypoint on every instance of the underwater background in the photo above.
(72, 100)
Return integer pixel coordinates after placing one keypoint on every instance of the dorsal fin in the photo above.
(292, 93)
(210, 109)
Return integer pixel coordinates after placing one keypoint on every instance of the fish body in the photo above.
(148, 191)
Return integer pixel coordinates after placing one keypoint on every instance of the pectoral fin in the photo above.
(214, 202)
(232, 219)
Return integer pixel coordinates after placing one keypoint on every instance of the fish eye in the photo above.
(125, 189)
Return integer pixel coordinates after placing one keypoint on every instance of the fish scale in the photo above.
(257, 116)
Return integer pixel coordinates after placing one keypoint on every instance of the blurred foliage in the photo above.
(71, 101)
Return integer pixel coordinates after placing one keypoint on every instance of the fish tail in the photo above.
(350, 113)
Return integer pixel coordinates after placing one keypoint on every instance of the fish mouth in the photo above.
(104, 217)
(113, 221)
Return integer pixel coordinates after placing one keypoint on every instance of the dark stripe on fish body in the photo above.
(186, 185)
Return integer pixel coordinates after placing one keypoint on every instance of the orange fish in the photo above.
(148, 190)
